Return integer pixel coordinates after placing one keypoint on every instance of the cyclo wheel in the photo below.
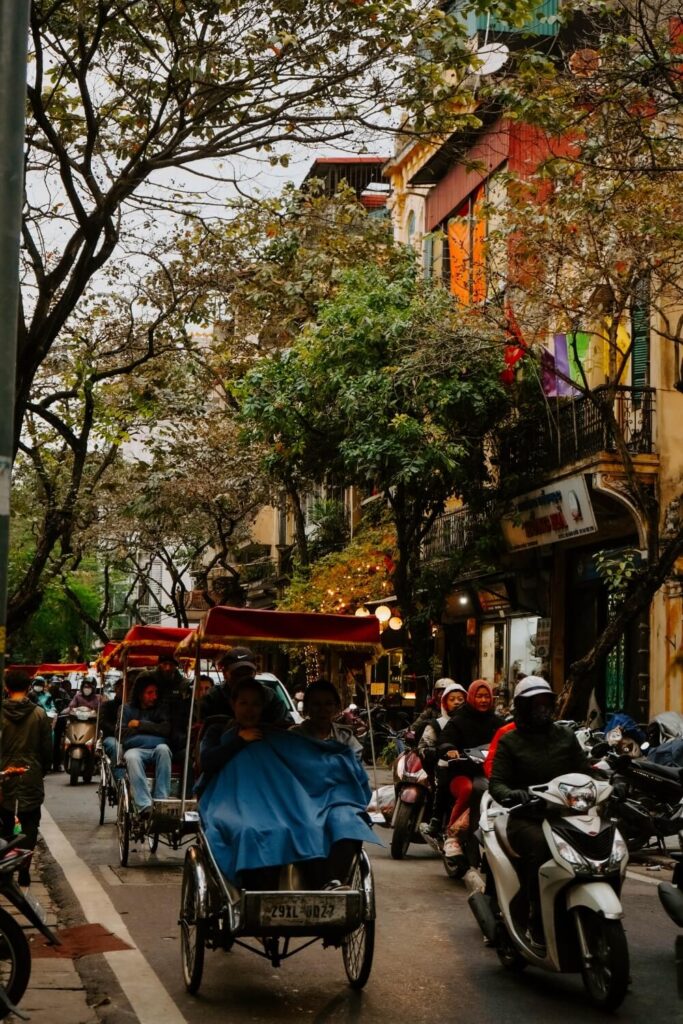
(606, 974)
(192, 930)
(358, 947)
(15, 960)
(102, 790)
(123, 825)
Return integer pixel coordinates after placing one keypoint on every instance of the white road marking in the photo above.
(148, 997)
(635, 877)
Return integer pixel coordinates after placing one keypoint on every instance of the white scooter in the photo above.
(580, 888)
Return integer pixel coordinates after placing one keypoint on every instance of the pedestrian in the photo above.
(26, 743)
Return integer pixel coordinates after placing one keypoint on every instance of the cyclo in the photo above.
(215, 913)
(173, 819)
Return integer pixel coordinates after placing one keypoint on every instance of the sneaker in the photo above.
(452, 848)
(336, 886)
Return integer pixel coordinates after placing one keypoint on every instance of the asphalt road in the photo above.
(430, 963)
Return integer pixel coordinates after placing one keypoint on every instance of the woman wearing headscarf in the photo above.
(473, 725)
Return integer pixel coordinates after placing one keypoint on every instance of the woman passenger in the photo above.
(322, 705)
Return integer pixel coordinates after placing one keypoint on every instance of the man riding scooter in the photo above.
(535, 752)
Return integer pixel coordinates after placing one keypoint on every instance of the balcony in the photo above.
(575, 430)
(450, 532)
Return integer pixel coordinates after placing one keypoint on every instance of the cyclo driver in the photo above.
(533, 753)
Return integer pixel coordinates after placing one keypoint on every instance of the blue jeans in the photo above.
(136, 759)
(111, 749)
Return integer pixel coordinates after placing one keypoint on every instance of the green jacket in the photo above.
(26, 741)
(526, 759)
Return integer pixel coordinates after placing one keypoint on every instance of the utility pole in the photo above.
(14, 17)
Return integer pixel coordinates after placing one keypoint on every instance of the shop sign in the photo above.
(558, 512)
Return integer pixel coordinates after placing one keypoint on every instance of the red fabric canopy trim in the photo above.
(251, 625)
(56, 669)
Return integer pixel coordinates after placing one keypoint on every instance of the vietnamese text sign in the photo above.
(560, 511)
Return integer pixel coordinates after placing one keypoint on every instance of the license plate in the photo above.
(301, 910)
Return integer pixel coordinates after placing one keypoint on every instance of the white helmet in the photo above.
(441, 684)
(532, 686)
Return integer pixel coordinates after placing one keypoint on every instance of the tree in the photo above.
(394, 390)
(593, 240)
(183, 504)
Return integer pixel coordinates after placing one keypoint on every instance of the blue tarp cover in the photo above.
(285, 798)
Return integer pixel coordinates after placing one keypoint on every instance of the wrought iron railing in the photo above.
(449, 532)
(578, 428)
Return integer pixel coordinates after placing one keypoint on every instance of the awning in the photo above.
(142, 646)
(223, 628)
(49, 669)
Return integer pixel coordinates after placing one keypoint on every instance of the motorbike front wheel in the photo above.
(507, 952)
(605, 971)
(404, 829)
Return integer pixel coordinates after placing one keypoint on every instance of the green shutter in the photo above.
(640, 335)
(428, 256)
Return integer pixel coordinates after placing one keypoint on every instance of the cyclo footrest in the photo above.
(168, 811)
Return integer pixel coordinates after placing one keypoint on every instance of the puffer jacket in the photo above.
(26, 742)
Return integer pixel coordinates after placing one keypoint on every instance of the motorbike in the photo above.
(671, 898)
(15, 951)
(414, 792)
(457, 867)
(653, 794)
(80, 737)
(580, 888)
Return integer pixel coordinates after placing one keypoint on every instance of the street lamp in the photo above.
(383, 614)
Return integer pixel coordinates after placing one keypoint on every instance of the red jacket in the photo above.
(488, 763)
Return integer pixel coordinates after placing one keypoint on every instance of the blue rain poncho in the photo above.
(284, 799)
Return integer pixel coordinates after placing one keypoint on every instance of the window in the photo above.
(410, 229)
(466, 247)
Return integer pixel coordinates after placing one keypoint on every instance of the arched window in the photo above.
(410, 229)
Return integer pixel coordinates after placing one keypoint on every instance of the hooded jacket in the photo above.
(431, 735)
(26, 742)
(469, 727)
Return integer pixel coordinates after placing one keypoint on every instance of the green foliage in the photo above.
(619, 570)
(57, 632)
(330, 521)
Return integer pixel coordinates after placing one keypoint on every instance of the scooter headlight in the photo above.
(619, 850)
(579, 798)
(568, 853)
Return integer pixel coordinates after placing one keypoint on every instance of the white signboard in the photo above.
(560, 511)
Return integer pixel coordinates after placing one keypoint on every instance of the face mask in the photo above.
(86, 691)
(541, 718)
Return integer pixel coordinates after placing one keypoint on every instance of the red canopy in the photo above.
(143, 645)
(224, 627)
(47, 669)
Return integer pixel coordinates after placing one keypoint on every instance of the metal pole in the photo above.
(13, 57)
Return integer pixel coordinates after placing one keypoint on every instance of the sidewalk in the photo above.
(56, 994)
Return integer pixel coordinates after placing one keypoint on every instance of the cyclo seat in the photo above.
(662, 771)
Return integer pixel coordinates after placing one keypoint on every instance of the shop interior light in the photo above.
(362, 611)
(395, 622)
(383, 614)
(464, 599)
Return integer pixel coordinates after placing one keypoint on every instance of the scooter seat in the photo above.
(500, 831)
(662, 771)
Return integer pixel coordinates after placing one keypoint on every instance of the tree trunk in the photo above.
(299, 524)
(576, 691)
